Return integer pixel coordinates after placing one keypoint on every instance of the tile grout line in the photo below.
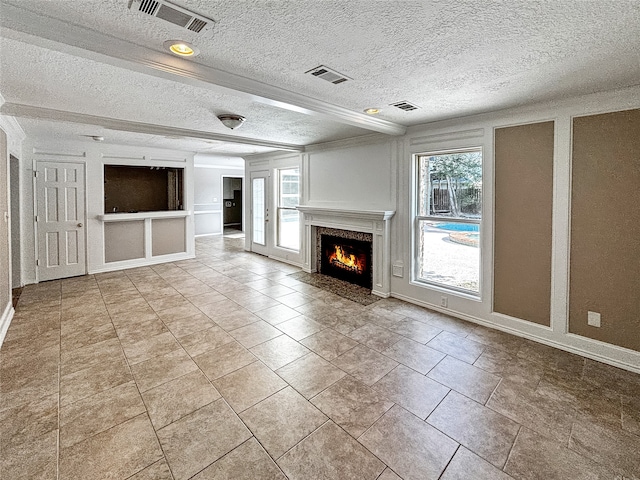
(450, 460)
(512, 448)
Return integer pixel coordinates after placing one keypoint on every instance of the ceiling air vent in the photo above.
(172, 13)
(327, 74)
(404, 105)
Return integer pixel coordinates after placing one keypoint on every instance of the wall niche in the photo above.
(131, 189)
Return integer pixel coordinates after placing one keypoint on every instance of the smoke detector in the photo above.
(172, 13)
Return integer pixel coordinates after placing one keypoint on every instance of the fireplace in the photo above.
(373, 227)
(345, 255)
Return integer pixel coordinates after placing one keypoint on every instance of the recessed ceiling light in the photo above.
(181, 48)
(372, 111)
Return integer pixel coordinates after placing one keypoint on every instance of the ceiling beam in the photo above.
(49, 114)
(31, 27)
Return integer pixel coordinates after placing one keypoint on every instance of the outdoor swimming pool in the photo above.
(458, 227)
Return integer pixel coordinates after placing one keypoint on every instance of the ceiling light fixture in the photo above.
(231, 120)
(372, 111)
(181, 48)
(95, 138)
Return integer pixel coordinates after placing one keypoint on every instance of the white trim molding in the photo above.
(15, 134)
(5, 321)
(49, 114)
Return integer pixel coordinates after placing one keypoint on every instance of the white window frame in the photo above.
(417, 218)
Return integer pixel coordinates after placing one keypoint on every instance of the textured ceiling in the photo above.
(449, 57)
(61, 81)
(55, 133)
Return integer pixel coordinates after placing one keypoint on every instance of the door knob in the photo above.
(80, 225)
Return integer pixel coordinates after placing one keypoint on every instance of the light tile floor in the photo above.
(223, 367)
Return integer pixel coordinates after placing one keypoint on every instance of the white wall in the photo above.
(377, 173)
(208, 173)
(360, 175)
(478, 131)
(11, 144)
(94, 156)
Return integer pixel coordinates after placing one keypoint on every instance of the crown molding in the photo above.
(268, 156)
(39, 113)
(31, 27)
(11, 127)
(370, 139)
(15, 133)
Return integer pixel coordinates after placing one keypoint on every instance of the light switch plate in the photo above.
(593, 319)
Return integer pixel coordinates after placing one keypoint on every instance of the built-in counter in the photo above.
(143, 235)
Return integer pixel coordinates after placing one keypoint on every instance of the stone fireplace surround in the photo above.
(375, 222)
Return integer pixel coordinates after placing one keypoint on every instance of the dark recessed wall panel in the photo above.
(523, 214)
(142, 189)
(605, 227)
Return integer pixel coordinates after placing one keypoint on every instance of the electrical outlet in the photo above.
(444, 302)
(593, 319)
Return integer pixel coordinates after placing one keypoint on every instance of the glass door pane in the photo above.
(258, 210)
(288, 226)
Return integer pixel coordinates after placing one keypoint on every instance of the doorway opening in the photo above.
(14, 190)
(232, 224)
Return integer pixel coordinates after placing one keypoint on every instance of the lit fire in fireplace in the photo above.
(347, 261)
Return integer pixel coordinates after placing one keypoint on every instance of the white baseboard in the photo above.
(5, 321)
(143, 262)
(284, 260)
(595, 350)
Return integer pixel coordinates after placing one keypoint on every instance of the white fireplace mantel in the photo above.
(342, 213)
(376, 222)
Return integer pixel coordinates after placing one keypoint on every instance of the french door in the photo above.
(60, 194)
(260, 226)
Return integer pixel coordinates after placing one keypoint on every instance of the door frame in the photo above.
(84, 216)
(15, 212)
(244, 187)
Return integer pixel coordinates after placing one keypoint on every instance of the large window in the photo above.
(448, 215)
(288, 216)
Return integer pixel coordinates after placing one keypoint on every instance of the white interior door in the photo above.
(60, 193)
(260, 212)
